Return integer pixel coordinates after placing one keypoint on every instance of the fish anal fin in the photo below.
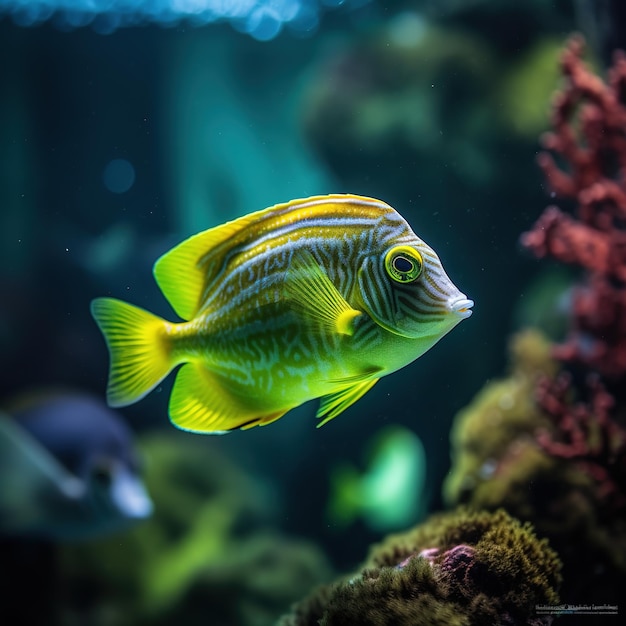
(262, 421)
(201, 403)
(338, 401)
(312, 293)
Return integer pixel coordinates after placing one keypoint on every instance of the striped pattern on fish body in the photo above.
(318, 297)
(252, 277)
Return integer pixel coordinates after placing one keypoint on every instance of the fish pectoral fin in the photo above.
(314, 294)
(335, 403)
(201, 403)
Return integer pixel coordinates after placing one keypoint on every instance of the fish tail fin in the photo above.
(139, 346)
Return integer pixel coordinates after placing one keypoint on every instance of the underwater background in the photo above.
(129, 126)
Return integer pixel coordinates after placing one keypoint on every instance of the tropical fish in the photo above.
(316, 298)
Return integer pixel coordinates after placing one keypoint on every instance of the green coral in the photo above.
(464, 568)
(387, 596)
(491, 433)
(497, 461)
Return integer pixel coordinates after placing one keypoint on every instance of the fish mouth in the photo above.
(462, 307)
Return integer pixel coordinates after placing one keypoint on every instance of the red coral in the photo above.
(589, 121)
(586, 433)
(589, 137)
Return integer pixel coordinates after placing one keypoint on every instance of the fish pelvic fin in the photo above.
(139, 347)
(202, 403)
(313, 293)
(338, 401)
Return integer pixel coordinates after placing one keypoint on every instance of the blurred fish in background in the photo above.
(68, 473)
(68, 469)
(390, 493)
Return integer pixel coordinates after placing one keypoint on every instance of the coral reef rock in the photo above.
(460, 568)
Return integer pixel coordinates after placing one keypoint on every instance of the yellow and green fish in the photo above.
(314, 298)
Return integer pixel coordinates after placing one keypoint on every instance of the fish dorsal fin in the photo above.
(186, 271)
(312, 292)
(338, 401)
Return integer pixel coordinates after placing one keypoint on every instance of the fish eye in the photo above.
(102, 473)
(403, 264)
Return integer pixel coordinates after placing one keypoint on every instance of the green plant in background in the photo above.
(205, 552)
